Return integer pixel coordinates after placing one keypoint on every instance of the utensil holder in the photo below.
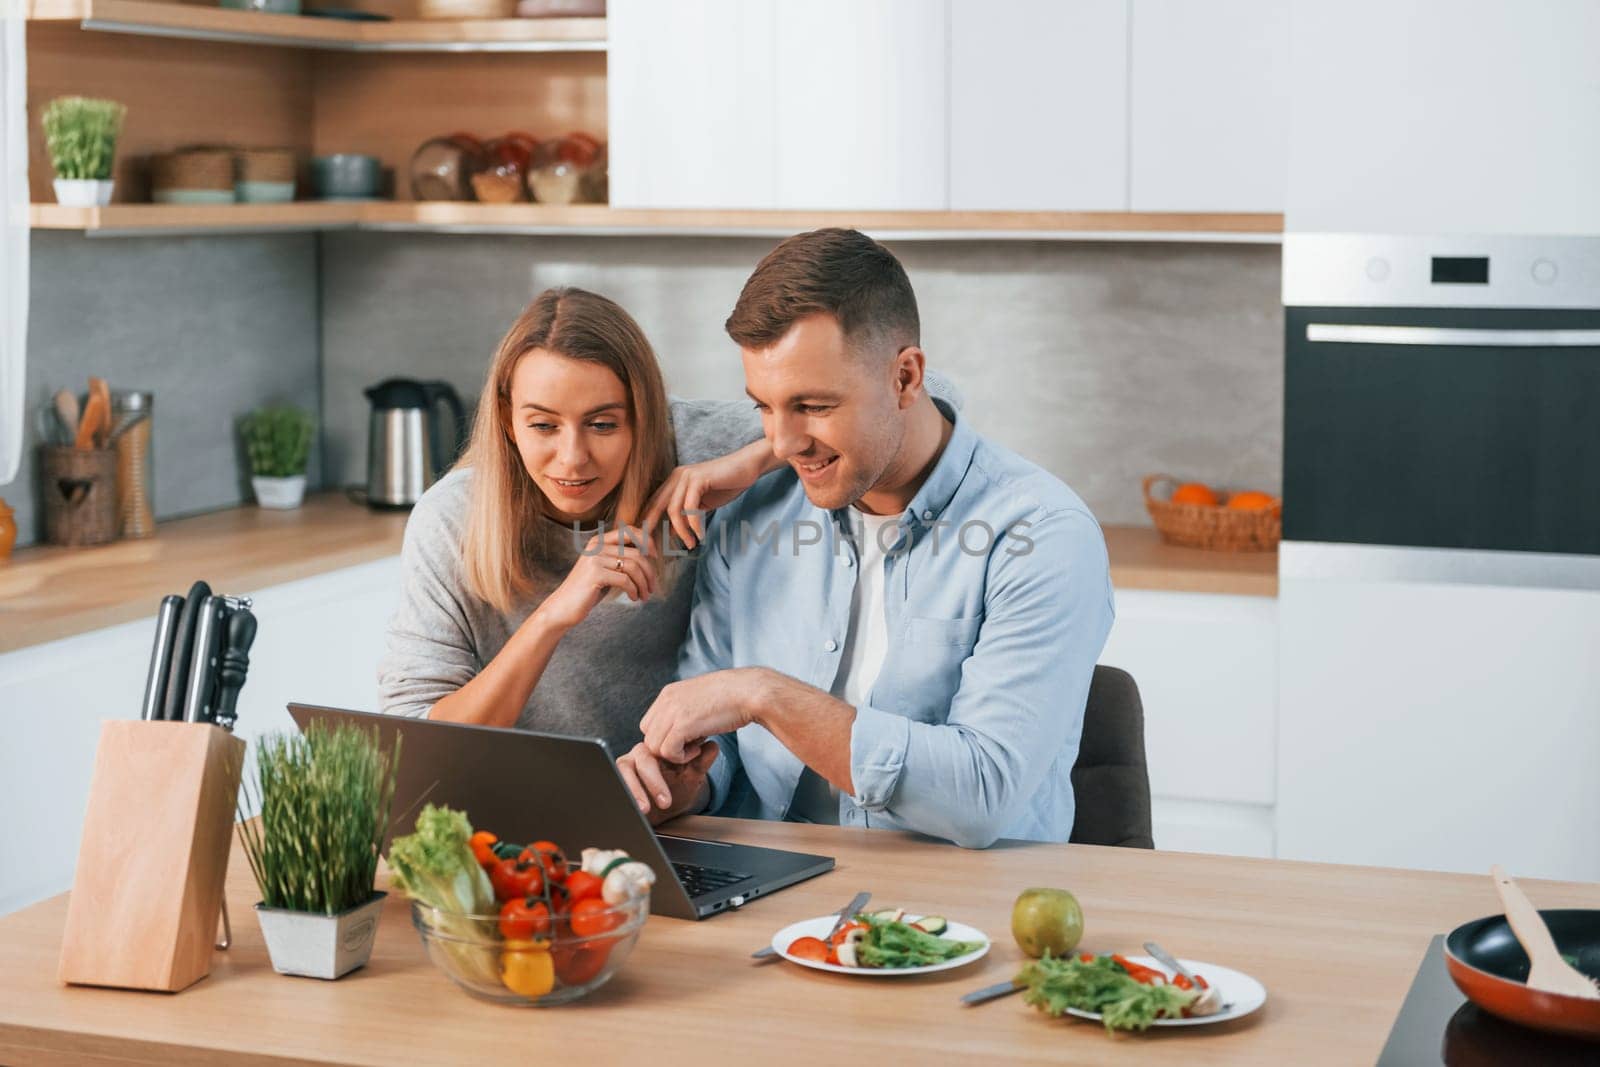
(80, 495)
(153, 856)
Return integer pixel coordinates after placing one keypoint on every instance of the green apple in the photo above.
(1046, 920)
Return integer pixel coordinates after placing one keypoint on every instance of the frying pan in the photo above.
(1489, 966)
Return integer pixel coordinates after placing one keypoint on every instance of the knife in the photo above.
(155, 684)
(203, 662)
(182, 653)
(857, 902)
(992, 992)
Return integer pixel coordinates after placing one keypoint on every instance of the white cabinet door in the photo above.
(861, 116)
(1207, 670)
(1439, 726)
(1209, 105)
(1039, 105)
(1444, 116)
(690, 96)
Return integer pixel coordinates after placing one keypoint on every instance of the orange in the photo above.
(1250, 500)
(1195, 493)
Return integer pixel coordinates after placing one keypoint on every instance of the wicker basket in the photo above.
(1216, 527)
(266, 165)
(80, 495)
(193, 168)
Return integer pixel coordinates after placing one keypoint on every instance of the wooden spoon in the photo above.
(98, 388)
(1550, 973)
(66, 402)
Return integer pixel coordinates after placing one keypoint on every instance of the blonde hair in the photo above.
(506, 533)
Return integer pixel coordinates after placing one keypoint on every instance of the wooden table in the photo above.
(1335, 946)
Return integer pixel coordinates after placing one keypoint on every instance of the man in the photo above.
(897, 630)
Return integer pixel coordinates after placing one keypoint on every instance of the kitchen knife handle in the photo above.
(233, 665)
(202, 665)
(155, 684)
(182, 652)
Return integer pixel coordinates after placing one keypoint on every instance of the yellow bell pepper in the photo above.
(526, 968)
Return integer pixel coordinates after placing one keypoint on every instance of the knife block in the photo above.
(153, 856)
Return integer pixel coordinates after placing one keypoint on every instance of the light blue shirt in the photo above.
(998, 602)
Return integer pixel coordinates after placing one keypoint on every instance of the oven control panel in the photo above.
(1374, 270)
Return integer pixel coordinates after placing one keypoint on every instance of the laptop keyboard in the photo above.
(698, 880)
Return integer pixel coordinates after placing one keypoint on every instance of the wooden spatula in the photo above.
(1550, 973)
(96, 419)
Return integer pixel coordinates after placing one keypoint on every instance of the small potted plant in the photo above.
(81, 135)
(323, 798)
(278, 440)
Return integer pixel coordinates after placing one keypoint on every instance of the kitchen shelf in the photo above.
(204, 23)
(601, 220)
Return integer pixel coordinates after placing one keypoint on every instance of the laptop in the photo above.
(526, 787)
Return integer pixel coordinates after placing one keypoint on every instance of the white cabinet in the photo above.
(1038, 105)
(1444, 116)
(1209, 105)
(861, 105)
(318, 643)
(1439, 726)
(1207, 670)
(692, 108)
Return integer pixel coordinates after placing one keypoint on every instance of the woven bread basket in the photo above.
(266, 165)
(193, 168)
(1216, 527)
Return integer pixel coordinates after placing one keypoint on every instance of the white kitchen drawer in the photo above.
(1039, 105)
(1207, 670)
(1209, 105)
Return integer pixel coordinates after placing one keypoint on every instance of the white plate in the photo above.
(1242, 993)
(820, 926)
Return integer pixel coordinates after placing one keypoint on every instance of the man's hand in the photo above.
(662, 790)
(686, 713)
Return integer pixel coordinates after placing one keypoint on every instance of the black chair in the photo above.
(1110, 781)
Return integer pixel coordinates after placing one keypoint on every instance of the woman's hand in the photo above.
(609, 563)
(692, 490)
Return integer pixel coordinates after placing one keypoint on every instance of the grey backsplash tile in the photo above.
(1101, 361)
(214, 326)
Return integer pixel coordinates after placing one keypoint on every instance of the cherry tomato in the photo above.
(482, 844)
(810, 948)
(591, 917)
(524, 919)
(581, 885)
(514, 878)
(549, 856)
(581, 964)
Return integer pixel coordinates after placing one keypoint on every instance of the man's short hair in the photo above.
(841, 272)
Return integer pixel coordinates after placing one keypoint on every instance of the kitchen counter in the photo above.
(1336, 948)
(49, 592)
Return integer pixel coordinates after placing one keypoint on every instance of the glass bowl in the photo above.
(471, 951)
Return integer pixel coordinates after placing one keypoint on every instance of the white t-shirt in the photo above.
(861, 658)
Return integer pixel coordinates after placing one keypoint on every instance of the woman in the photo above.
(507, 618)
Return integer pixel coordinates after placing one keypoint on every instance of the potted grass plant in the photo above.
(323, 798)
(81, 136)
(278, 442)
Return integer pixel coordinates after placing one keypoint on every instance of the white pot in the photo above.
(83, 192)
(320, 946)
(282, 493)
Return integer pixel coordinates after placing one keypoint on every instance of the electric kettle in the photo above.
(406, 449)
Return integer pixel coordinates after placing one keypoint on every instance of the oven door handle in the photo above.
(1360, 334)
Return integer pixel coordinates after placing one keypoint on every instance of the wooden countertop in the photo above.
(1335, 946)
(48, 592)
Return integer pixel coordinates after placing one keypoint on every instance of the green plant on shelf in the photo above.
(324, 801)
(81, 134)
(278, 441)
